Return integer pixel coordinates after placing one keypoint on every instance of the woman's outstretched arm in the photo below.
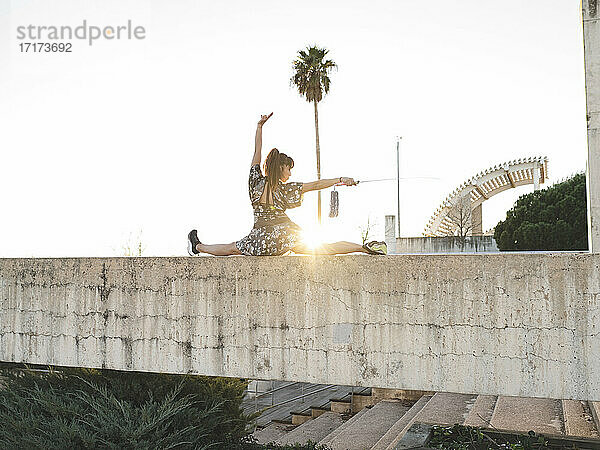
(258, 139)
(324, 184)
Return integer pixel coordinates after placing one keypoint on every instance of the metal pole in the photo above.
(398, 178)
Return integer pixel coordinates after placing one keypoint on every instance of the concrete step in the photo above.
(352, 402)
(395, 433)
(578, 419)
(481, 412)
(524, 414)
(350, 422)
(288, 391)
(446, 409)
(300, 417)
(272, 432)
(365, 431)
(340, 406)
(398, 394)
(313, 430)
(360, 401)
(595, 410)
(316, 411)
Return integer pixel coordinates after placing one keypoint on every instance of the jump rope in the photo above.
(334, 202)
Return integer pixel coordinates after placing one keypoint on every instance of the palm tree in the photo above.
(312, 80)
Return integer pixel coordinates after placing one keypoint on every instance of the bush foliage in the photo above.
(104, 409)
(461, 437)
(549, 219)
(81, 408)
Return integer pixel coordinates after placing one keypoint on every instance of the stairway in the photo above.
(381, 426)
(368, 428)
(313, 430)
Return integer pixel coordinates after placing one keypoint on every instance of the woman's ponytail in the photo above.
(272, 167)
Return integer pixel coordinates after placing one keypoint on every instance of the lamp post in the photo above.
(398, 177)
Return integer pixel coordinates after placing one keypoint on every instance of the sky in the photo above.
(128, 141)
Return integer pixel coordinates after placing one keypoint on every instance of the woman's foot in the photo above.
(376, 247)
(192, 242)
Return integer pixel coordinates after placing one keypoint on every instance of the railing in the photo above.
(301, 397)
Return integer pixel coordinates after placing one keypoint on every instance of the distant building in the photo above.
(433, 244)
(445, 221)
(456, 225)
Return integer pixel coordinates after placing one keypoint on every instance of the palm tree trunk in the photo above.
(318, 161)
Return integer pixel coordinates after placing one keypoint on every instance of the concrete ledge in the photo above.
(448, 244)
(498, 324)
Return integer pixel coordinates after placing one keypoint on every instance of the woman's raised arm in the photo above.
(258, 139)
(324, 184)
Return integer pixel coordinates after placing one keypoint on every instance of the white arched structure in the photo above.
(484, 185)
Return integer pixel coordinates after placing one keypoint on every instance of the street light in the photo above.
(398, 177)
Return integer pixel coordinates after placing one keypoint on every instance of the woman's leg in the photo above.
(334, 248)
(219, 249)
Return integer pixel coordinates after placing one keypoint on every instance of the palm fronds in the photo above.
(311, 73)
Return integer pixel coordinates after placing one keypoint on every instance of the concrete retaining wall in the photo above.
(493, 324)
(450, 244)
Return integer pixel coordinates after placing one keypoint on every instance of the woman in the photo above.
(273, 232)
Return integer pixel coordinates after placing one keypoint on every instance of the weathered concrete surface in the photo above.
(345, 426)
(313, 430)
(272, 432)
(542, 415)
(578, 420)
(446, 408)
(595, 412)
(591, 38)
(509, 324)
(398, 429)
(481, 412)
(370, 427)
(449, 244)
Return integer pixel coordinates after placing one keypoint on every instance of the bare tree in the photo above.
(366, 231)
(460, 217)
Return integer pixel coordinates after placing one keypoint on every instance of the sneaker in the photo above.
(192, 242)
(376, 247)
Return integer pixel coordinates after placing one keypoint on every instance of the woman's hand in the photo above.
(348, 181)
(263, 119)
(258, 140)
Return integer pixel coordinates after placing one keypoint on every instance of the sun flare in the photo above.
(313, 238)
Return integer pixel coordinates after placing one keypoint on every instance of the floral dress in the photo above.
(273, 232)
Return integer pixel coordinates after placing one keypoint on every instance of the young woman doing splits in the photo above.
(273, 232)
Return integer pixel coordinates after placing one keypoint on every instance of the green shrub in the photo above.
(461, 437)
(81, 408)
(72, 408)
(550, 219)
